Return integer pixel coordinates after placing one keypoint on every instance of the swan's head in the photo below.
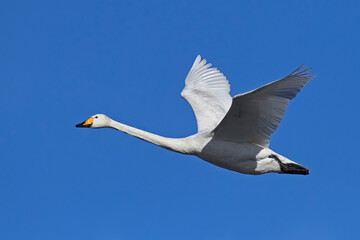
(96, 121)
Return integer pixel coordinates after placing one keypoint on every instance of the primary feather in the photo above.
(255, 115)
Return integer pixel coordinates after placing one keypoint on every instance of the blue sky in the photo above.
(63, 61)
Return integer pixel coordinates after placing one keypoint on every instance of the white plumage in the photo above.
(233, 133)
(207, 91)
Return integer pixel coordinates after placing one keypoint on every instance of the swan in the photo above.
(233, 133)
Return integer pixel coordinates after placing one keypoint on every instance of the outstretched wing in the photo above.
(207, 91)
(255, 115)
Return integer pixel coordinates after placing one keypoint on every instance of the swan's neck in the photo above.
(180, 145)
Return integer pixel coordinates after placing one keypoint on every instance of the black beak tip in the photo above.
(82, 125)
(79, 125)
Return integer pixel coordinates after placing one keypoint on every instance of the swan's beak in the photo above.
(87, 123)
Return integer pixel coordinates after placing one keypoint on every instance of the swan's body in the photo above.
(233, 133)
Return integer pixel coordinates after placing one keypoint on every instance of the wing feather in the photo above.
(207, 91)
(255, 115)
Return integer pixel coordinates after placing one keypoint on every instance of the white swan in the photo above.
(233, 133)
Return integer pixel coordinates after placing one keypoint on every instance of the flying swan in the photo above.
(233, 133)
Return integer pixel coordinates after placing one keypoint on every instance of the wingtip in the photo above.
(304, 73)
(198, 58)
(297, 69)
(197, 61)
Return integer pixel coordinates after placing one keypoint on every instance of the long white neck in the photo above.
(174, 144)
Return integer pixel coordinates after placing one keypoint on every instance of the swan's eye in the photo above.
(96, 116)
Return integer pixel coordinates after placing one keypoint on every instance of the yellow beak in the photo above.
(87, 123)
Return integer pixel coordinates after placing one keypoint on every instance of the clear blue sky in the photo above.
(63, 61)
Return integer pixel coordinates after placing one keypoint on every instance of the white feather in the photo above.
(207, 91)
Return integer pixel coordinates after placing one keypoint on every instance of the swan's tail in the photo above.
(289, 167)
